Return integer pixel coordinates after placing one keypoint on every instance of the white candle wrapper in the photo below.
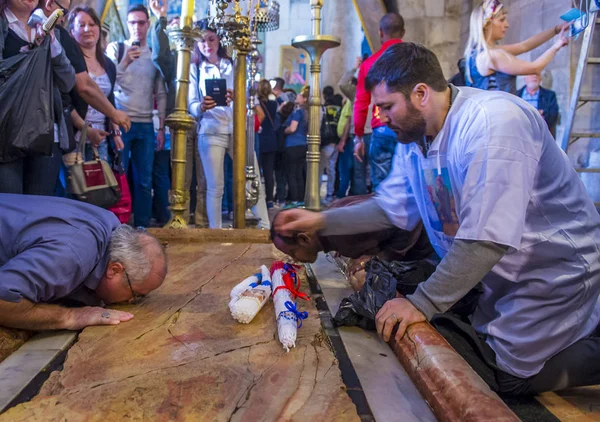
(251, 300)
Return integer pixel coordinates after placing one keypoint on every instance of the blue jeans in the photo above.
(359, 172)
(102, 152)
(139, 148)
(31, 175)
(381, 153)
(161, 183)
(345, 167)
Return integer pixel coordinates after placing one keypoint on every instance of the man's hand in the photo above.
(158, 10)
(207, 104)
(133, 53)
(395, 311)
(160, 140)
(341, 145)
(297, 220)
(79, 318)
(358, 62)
(359, 148)
(541, 112)
(96, 136)
(120, 118)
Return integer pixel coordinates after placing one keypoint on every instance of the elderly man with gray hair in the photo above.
(61, 261)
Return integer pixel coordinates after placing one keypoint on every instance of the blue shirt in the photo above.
(298, 138)
(495, 173)
(52, 248)
(532, 99)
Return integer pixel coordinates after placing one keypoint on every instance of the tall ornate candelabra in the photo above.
(315, 45)
(180, 121)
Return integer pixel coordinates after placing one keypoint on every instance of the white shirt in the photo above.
(495, 173)
(218, 120)
(28, 34)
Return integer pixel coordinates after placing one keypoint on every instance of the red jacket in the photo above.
(363, 97)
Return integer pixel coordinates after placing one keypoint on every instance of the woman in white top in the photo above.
(84, 26)
(215, 124)
(495, 67)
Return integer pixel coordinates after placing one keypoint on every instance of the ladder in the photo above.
(577, 100)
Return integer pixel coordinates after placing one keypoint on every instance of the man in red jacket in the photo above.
(383, 139)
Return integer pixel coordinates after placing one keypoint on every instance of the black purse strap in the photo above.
(266, 109)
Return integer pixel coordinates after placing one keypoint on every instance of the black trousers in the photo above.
(267, 165)
(295, 161)
(576, 366)
(281, 177)
(32, 175)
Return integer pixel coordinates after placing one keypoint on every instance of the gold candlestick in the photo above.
(315, 45)
(180, 121)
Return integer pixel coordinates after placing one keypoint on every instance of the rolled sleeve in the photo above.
(395, 195)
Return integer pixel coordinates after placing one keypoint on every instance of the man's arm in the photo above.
(162, 56)
(26, 315)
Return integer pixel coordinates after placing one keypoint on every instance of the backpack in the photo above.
(329, 122)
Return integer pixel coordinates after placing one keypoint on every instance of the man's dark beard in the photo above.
(413, 126)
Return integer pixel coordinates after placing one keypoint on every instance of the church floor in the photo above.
(184, 358)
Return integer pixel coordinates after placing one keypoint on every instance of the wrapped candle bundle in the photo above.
(251, 296)
(284, 290)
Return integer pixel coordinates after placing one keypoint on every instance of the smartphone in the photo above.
(135, 44)
(217, 90)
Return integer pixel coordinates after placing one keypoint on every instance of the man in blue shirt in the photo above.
(542, 99)
(56, 252)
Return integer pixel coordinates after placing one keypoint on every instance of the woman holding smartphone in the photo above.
(215, 123)
(495, 67)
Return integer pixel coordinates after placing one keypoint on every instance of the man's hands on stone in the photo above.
(79, 318)
(395, 311)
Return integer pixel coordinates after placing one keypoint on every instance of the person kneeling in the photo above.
(56, 252)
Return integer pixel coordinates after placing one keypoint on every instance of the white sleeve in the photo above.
(395, 195)
(194, 94)
(500, 157)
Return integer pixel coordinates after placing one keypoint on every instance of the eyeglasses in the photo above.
(64, 9)
(138, 23)
(136, 298)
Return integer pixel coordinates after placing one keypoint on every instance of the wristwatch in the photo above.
(116, 132)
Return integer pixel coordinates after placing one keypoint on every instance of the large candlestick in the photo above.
(180, 121)
(315, 45)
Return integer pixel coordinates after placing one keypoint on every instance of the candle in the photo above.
(187, 13)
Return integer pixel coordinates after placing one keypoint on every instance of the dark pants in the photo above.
(576, 366)
(34, 175)
(227, 203)
(267, 165)
(345, 168)
(295, 161)
(359, 172)
(161, 183)
(140, 143)
(381, 154)
(281, 177)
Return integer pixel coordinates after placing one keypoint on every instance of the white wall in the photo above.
(294, 21)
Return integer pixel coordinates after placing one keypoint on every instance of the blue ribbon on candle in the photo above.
(291, 306)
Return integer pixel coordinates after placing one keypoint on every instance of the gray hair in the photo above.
(132, 248)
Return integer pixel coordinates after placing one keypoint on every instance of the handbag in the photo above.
(122, 209)
(92, 181)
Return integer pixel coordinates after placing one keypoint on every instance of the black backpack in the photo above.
(329, 122)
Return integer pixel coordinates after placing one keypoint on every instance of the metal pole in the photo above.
(180, 121)
(239, 141)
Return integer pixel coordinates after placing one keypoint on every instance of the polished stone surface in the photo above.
(184, 358)
(10, 340)
(390, 392)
